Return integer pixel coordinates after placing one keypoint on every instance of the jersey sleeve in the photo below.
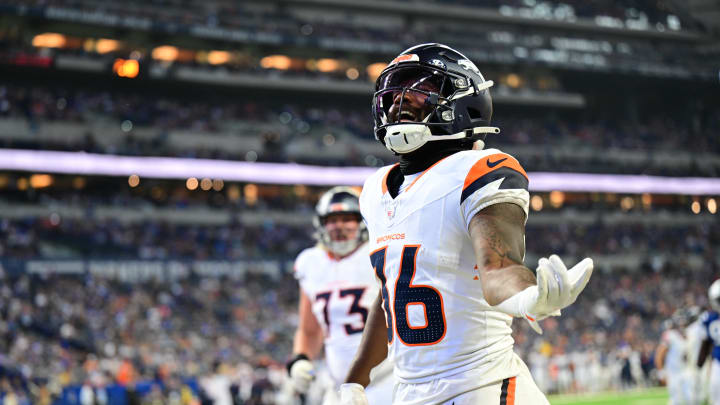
(300, 266)
(495, 178)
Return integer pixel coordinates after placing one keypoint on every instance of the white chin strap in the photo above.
(405, 138)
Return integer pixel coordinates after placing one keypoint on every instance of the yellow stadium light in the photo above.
(206, 184)
(233, 192)
(627, 203)
(352, 74)
(49, 40)
(251, 194)
(218, 57)
(513, 80)
(695, 207)
(166, 53)
(557, 198)
(22, 183)
(375, 69)
(133, 180)
(327, 65)
(646, 200)
(191, 183)
(128, 68)
(218, 184)
(280, 62)
(106, 45)
(712, 205)
(536, 202)
(40, 180)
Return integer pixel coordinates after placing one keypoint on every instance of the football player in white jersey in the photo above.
(447, 241)
(695, 381)
(337, 286)
(670, 357)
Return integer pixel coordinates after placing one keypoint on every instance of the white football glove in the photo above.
(302, 372)
(557, 287)
(352, 394)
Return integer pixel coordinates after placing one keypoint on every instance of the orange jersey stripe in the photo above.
(491, 163)
(511, 391)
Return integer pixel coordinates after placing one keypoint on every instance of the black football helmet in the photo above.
(338, 200)
(431, 92)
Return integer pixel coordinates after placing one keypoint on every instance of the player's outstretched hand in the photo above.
(302, 372)
(557, 288)
(352, 394)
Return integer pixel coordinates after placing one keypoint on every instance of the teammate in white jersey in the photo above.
(695, 381)
(447, 241)
(337, 286)
(670, 357)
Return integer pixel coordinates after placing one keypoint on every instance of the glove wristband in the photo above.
(517, 305)
(297, 357)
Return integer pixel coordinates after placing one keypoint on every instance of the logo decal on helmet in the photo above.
(468, 65)
(438, 63)
(411, 57)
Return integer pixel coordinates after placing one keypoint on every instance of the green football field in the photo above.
(656, 396)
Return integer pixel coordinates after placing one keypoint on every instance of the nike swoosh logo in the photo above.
(495, 163)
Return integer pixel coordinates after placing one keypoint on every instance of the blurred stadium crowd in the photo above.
(74, 119)
(178, 341)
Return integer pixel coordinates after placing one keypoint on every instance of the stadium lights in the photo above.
(218, 57)
(165, 53)
(251, 194)
(327, 65)
(557, 198)
(375, 69)
(41, 180)
(49, 40)
(191, 183)
(133, 180)
(128, 68)
(81, 163)
(280, 62)
(536, 203)
(712, 205)
(106, 45)
(695, 207)
(352, 74)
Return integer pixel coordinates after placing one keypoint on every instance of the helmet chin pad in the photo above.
(405, 138)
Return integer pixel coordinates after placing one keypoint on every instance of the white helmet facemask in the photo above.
(338, 200)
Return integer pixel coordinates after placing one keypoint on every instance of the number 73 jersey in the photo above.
(438, 322)
(341, 291)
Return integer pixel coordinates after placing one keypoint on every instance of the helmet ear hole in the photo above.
(474, 113)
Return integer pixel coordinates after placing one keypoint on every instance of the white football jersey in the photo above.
(439, 324)
(675, 357)
(341, 292)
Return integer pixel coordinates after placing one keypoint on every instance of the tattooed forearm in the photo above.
(500, 231)
(498, 235)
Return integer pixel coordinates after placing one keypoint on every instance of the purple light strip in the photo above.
(289, 173)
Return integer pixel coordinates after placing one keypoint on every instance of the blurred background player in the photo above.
(711, 345)
(337, 286)
(670, 356)
(695, 381)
